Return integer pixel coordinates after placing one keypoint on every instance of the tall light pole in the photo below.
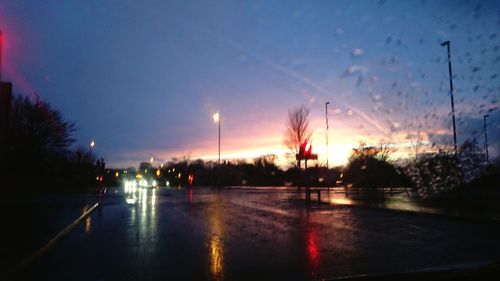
(216, 118)
(326, 117)
(447, 44)
(486, 137)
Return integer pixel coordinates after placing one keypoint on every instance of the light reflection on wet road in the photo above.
(238, 234)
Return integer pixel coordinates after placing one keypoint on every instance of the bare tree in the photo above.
(268, 160)
(416, 140)
(297, 131)
(381, 152)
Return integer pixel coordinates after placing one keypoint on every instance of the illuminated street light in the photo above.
(91, 145)
(151, 159)
(326, 117)
(216, 118)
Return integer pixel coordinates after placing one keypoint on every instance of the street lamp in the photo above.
(216, 118)
(486, 137)
(91, 145)
(326, 117)
(447, 44)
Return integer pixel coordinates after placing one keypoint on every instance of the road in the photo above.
(256, 234)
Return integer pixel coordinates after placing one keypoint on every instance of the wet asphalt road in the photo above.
(200, 234)
(29, 221)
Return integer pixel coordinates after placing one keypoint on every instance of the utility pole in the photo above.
(447, 44)
(486, 138)
(326, 117)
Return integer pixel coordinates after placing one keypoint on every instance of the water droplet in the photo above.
(360, 79)
(297, 14)
(242, 58)
(357, 52)
(376, 97)
(353, 69)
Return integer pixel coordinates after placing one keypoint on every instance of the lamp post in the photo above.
(216, 118)
(447, 44)
(91, 145)
(486, 137)
(326, 117)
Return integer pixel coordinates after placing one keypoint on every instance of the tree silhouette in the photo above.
(368, 167)
(39, 129)
(297, 131)
(381, 152)
(41, 139)
(434, 175)
(472, 159)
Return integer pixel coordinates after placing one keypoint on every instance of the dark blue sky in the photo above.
(143, 78)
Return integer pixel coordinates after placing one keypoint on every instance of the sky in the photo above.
(143, 78)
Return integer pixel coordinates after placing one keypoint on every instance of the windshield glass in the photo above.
(249, 140)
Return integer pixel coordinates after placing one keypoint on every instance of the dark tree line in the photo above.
(40, 153)
(262, 171)
(431, 175)
(369, 167)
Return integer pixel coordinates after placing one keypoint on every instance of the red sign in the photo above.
(305, 152)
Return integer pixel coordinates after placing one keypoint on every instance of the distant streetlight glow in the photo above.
(216, 117)
(91, 145)
(151, 159)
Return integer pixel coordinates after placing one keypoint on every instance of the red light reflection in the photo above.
(312, 250)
